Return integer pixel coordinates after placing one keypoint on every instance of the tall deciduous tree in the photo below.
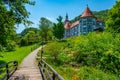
(18, 7)
(12, 12)
(113, 21)
(7, 30)
(58, 29)
(45, 26)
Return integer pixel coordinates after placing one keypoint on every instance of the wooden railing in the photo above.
(7, 69)
(48, 73)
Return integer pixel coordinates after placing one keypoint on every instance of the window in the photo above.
(89, 19)
(89, 29)
(84, 22)
(93, 22)
(84, 29)
(84, 32)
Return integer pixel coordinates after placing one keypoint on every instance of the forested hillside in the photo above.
(101, 14)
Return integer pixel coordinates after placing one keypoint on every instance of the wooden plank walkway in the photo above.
(28, 69)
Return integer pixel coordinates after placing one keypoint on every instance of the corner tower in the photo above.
(67, 27)
(87, 21)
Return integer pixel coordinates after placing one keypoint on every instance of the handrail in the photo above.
(7, 69)
(48, 73)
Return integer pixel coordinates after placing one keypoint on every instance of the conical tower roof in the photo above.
(67, 23)
(87, 13)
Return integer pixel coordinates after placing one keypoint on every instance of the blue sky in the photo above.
(51, 9)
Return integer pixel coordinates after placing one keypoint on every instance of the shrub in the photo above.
(101, 50)
(11, 46)
(53, 50)
(1, 48)
(89, 73)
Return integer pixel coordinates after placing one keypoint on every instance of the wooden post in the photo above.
(44, 66)
(15, 64)
(53, 76)
(7, 71)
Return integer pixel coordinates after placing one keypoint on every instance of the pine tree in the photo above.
(58, 29)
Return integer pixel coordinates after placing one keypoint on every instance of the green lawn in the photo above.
(19, 54)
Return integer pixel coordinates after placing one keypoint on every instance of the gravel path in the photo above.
(28, 69)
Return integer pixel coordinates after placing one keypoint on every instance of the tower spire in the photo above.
(87, 5)
(66, 16)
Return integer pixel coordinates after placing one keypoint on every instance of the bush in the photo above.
(101, 50)
(1, 48)
(11, 46)
(53, 50)
(89, 73)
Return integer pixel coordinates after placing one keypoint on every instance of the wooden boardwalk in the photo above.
(28, 69)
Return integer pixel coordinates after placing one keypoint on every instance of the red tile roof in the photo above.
(74, 24)
(87, 13)
(67, 25)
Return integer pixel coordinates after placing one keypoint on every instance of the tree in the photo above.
(15, 14)
(58, 29)
(7, 30)
(29, 38)
(113, 21)
(26, 30)
(45, 26)
(17, 7)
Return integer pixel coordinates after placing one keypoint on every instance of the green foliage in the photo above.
(58, 29)
(25, 31)
(84, 73)
(98, 51)
(54, 52)
(12, 12)
(7, 22)
(89, 73)
(30, 38)
(101, 14)
(45, 28)
(75, 19)
(18, 8)
(113, 21)
(11, 46)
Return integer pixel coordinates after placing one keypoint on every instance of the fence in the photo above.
(7, 69)
(48, 73)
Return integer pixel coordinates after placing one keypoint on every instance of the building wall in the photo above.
(86, 25)
(74, 31)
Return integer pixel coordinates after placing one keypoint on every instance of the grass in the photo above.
(19, 54)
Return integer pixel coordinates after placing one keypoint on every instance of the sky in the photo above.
(51, 9)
